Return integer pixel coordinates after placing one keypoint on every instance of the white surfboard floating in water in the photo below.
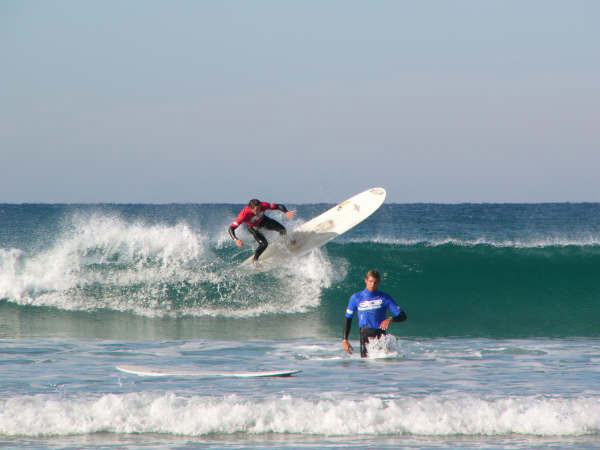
(325, 227)
(146, 371)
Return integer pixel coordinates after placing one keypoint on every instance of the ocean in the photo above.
(501, 348)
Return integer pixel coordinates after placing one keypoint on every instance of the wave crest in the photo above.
(433, 415)
(104, 262)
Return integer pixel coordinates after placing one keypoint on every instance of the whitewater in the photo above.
(501, 348)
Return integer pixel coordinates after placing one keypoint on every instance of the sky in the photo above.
(299, 102)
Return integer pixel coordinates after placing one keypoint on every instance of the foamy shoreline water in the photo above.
(455, 389)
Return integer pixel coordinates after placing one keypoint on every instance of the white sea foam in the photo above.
(142, 253)
(155, 270)
(386, 346)
(433, 415)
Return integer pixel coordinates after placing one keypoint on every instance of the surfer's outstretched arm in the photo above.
(288, 213)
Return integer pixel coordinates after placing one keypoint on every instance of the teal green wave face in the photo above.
(483, 290)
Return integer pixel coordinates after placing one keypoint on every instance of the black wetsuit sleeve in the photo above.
(400, 317)
(232, 233)
(281, 208)
(347, 326)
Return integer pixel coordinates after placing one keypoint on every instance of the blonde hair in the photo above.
(373, 274)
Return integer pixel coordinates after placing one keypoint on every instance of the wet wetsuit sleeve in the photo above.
(241, 217)
(347, 326)
(281, 208)
(349, 315)
(400, 317)
(398, 314)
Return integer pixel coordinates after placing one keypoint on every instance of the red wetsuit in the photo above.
(249, 218)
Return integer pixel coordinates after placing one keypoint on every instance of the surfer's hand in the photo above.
(347, 346)
(385, 323)
(238, 242)
(290, 214)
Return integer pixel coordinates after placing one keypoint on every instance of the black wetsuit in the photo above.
(268, 224)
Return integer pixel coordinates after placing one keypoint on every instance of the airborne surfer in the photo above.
(254, 217)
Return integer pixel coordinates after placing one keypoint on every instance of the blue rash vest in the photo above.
(371, 307)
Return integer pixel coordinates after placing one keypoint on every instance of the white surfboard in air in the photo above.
(146, 371)
(325, 227)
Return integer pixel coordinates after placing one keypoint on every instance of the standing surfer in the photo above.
(371, 305)
(254, 217)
